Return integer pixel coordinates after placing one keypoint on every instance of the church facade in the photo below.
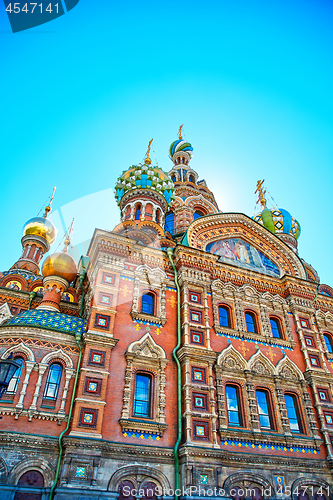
(190, 353)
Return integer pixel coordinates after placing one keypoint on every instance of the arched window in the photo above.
(233, 405)
(276, 328)
(158, 216)
(197, 214)
(191, 178)
(256, 494)
(12, 387)
(237, 493)
(173, 178)
(147, 303)
(142, 396)
(34, 479)
(251, 322)
(53, 382)
(170, 223)
(328, 342)
(128, 212)
(264, 409)
(138, 212)
(224, 315)
(150, 492)
(293, 413)
(302, 493)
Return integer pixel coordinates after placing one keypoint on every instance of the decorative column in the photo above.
(254, 419)
(41, 368)
(212, 404)
(239, 315)
(206, 316)
(266, 330)
(282, 407)
(161, 402)
(28, 369)
(287, 323)
(163, 302)
(69, 372)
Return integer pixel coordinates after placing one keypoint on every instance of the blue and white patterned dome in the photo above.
(180, 145)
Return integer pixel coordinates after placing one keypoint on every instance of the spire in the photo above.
(67, 240)
(147, 158)
(261, 193)
(48, 207)
(180, 132)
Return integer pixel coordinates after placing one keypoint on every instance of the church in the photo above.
(188, 354)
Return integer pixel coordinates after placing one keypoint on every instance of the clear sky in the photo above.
(252, 82)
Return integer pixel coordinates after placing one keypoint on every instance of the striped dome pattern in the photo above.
(278, 220)
(145, 176)
(180, 145)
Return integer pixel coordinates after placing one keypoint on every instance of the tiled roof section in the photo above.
(49, 320)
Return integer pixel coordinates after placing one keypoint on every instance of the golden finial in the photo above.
(261, 193)
(147, 159)
(48, 207)
(67, 240)
(180, 132)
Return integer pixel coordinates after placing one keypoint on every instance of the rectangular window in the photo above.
(195, 297)
(105, 299)
(88, 417)
(199, 401)
(92, 386)
(292, 412)
(309, 341)
(142, 395)
(195, 316)
(200, 430)
(264, 410)
(196, 337)
(234, 414)
(109, 278)
(102, 321)
(224, 316)
(304, 323)
(323, 394)
(96, 357)
(314, 360)
(198, 375)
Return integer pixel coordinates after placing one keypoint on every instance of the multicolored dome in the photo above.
(145, 176)
(278, 220)
(40, 226)
(180, 145)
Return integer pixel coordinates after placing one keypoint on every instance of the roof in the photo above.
(48, 320)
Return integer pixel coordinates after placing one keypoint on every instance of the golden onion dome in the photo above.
(60, 264)
(42, 227)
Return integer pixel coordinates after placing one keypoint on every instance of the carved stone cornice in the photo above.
(135, 425)
(149, 318)
(99, 338)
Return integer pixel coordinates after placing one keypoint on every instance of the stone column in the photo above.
(28, 369)
(239, 315)
(68, 374)
(41, 368)
(254, 419)
(282, 408)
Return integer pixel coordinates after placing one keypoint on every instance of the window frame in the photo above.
(20, 369)
(328, 336)
(150, 395)
(298, 413)
(269, 409)
(279, 328)
(48, 383)
(227, 308)
(255, 321)
(153, 296)
(239, 404)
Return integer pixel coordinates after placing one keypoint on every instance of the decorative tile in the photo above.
(80, 472)
(203, 479)
(142, 435)
(270, 446)
(49, 320)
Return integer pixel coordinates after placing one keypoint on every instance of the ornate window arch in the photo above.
(251, 321)
(276, 327)
(144, 357)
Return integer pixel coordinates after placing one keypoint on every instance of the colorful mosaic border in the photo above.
(49, 320)
(171, 289)
(28, 276)
(265, 446)
(142, 435)
(126, 278)
(257, 342)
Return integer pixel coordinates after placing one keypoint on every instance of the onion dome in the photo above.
(278, 220)
(180, 145)
(60, 264)
(40, 226)
(145, 176)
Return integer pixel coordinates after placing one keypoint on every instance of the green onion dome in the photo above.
(279, 221)
(145, 176)
(180, 145)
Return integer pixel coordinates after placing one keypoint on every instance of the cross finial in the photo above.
(48, 207)
(261, 193)
(147, 159)
(180, 132)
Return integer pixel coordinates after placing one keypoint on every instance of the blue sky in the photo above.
(251, 81)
